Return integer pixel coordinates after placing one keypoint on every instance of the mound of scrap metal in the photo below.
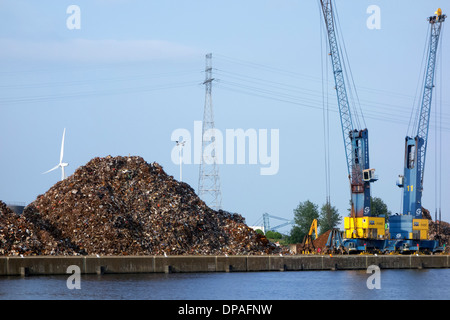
(321, 241)
(18, 235)
(438, 230)
(126, 206)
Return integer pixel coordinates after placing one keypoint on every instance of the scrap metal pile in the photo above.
(125, 206)
(440, 231)
(17, 234)
(321, 241)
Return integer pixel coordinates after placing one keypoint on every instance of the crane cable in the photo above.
(352, 92)
(415, 110)
(438, 139)
(440, 128)
(325, 106)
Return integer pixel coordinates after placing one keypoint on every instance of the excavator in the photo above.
(307, 246)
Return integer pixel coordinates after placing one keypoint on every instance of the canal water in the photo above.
(329, 285)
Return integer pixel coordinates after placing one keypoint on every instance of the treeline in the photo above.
(327, 217)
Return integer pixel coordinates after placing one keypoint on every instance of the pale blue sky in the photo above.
(132, 75)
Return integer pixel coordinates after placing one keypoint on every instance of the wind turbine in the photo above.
(61, 163)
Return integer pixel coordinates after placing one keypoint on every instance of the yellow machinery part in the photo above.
(364, 227)
(312, 229)
(421, 225)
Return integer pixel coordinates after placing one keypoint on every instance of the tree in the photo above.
(379, 208)
(273, 235)
(304, 215)
(259, 231)
(296, 235)
(329, 218)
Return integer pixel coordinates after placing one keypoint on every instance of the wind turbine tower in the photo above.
(61, 164)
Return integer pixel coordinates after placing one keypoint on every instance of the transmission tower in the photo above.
(209, 182)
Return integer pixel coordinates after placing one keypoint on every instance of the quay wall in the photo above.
(56, 265)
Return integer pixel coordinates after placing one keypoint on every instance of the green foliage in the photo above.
(304, 215)
(273, 235)
(379, 208)
(329, 218)
(259, 231)
(296, 235)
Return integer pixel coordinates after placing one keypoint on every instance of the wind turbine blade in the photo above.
(62, 147)
(51, 169)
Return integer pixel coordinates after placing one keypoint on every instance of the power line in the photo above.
(94, 93)
(325, 111)
(278, 88)
(89, 80)
(306, 103)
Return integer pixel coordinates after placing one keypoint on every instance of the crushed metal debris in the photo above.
(125, 206)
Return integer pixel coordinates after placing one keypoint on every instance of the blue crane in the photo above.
(266, 222)
(410, 223)
(356, 142)
(356, 145)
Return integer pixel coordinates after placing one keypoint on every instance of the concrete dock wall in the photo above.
(50, 265)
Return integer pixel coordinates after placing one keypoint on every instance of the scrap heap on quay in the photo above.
(125, 206)
(17, 234)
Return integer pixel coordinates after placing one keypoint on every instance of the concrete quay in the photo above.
(57, 265)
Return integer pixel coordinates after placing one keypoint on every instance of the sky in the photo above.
(133, 73)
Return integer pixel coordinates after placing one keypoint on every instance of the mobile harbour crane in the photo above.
(408, 232)
(362, 230)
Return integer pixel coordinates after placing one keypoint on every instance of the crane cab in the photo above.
(369, 175)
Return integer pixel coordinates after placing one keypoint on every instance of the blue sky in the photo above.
(132, 75)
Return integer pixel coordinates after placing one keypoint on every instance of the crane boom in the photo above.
(424, 119)
(267, 226)
(356, 143)
(341, 91)
(416, 147)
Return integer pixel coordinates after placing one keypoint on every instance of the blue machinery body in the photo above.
(407, 231)
(409, 227)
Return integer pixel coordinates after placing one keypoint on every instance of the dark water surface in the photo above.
(395, 284)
